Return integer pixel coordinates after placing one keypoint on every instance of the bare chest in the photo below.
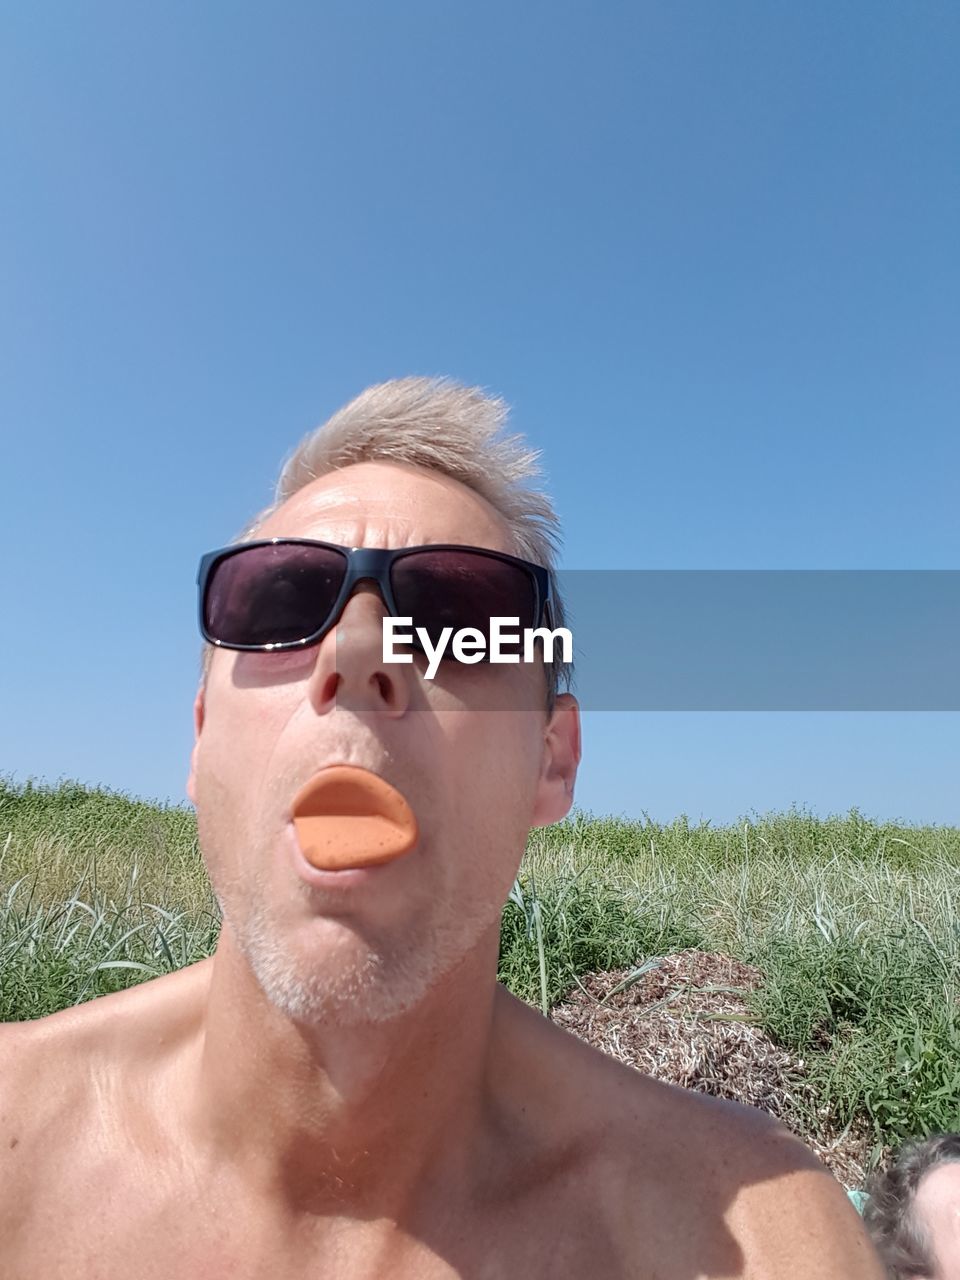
(114, 1222)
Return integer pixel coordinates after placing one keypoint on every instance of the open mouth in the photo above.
(347, 817)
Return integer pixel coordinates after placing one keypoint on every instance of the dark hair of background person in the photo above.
(902, 1241)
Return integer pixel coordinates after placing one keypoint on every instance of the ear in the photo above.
(198, 710)
(561, 756)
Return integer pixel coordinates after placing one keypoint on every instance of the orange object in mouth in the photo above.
(349, 817)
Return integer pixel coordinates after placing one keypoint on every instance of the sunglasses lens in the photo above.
(274, 594)
(460, 589)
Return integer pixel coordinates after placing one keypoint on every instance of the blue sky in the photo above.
(707, 252)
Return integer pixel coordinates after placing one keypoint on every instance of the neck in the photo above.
(317, 1117)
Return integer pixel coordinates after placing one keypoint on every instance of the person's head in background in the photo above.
(913, 1213)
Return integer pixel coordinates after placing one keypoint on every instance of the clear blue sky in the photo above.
(708, 252)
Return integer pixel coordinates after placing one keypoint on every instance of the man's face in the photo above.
(478, 776)
(937, 1206)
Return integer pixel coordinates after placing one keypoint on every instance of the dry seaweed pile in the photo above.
(684, 1018)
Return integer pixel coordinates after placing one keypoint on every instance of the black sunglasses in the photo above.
(286, 593)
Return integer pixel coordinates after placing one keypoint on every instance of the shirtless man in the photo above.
(343, 1090)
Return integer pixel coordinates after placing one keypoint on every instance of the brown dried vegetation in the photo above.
(685, 1019)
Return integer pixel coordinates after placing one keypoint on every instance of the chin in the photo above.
(345, 982)
(330, 974)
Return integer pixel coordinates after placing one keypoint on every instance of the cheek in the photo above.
(232, 768)
(493, 766)
(242, 726)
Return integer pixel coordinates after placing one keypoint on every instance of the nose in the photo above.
(350, 670)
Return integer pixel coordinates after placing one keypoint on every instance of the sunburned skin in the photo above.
(350, 817)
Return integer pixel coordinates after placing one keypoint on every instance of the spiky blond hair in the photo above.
(442, 426)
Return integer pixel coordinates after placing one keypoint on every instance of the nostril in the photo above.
(329, 689)
(384, 687)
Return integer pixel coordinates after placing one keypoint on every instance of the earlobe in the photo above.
(561, 757)
(198, 713)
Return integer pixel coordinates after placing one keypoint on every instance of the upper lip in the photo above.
(329, 764)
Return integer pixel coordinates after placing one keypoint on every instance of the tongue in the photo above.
(349, 817)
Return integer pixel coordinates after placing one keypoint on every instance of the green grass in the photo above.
(854, 925)
(97, 891)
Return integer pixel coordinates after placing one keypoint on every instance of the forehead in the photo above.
(937, 1205)
(386, 504)
(939, 1191)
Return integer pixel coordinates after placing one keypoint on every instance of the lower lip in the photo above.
(348, 878)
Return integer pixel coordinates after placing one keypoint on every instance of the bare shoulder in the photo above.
(60, 1072)
(25, 1077)
(31, 1103)
(62, 1044)
(46, 1068)
(787, 1212)
(750, 1198)
(701, 1186)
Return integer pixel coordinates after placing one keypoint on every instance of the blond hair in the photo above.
(442, 426)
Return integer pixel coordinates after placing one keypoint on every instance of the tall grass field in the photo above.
(853, 924)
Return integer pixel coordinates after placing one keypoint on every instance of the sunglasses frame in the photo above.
(363, 564)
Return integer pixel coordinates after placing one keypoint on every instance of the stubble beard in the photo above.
(360, 981)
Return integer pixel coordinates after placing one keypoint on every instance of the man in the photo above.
(913, 1210)
(343, 1090)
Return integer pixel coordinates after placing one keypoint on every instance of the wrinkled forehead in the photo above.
(379, 504)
